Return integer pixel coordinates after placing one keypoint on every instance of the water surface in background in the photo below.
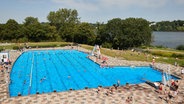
(168, 39)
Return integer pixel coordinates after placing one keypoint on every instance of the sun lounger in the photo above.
(150, 83)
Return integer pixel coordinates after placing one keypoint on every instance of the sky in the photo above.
(93, 11)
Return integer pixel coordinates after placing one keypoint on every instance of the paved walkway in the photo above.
(141, 94)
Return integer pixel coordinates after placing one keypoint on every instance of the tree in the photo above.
(123, 34)
(136, 32)
(31, 21)
(33, 30)
(62, 16)
(1, 30)
(101, 33)
(64, 20)
(51, 33)
(176, 25)
(114, 31)
(11, 30)
(85, 34)
(64, 25)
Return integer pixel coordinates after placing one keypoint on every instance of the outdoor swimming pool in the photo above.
(45, 71)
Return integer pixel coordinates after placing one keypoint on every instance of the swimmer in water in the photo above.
(24, 81)
(68, 77)
(42, 79)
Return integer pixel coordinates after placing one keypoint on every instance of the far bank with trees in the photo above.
(176, 25)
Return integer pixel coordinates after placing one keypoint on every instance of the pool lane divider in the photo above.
(30, 83)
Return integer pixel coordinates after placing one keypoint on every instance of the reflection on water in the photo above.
(168, 39)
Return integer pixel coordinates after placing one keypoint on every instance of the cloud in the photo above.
(95, 10)
(179, 1)
(31, 1)
(105, 4)
(77, 4)
(127, 3)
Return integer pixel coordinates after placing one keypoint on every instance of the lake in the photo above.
(168, 39)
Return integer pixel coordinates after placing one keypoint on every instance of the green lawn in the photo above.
(163, 55)
(35, 45)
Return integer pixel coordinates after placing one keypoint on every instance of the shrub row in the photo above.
(41, 46)
(1, 49)
(180, 47)
(178, 55)
(167, 54)
(160, 53)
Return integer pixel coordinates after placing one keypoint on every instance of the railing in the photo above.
(168, 75)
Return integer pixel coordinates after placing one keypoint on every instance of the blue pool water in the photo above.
(62, 70)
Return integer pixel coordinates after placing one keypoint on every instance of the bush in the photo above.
(143, 47)
(43, 45)
(47, 45)
(161, 53)
(62, 45)
(178, 55)
(180, 47)
(107, 45)
(21, 40)
(1, 49)
(15, 47)
(160, 46)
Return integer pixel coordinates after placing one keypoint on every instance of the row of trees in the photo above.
(65, 25)
(118, 33)
(30, 30)
(168, 26)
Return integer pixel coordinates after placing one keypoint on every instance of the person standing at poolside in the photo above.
(98, 52)
(99, 89)
(153, 61)
(118, 83)
(1, 68)
(182, 72)
(175, 63)
(160, 88)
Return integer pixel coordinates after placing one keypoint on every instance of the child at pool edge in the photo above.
(118, 83)
(182, 72)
